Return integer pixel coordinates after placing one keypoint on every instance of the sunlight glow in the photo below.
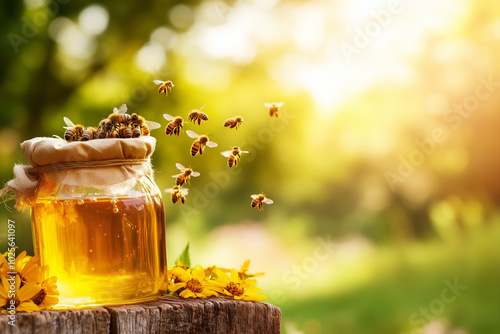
(151, 57)
(309, 29)
(215, 77)
(302, 42)
(71, 39)
(164, 37)
(93, 20)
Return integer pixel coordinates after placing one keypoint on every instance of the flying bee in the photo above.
(73, 132)
(233, 156)
(178, 194)
(234, 122)
(258, 201)
(197, 115)
(175, 126)
(274, 108)
(89, 133)
(199, 143)
(125, 132)
(185, 174)
(119, 116)
(164, 86)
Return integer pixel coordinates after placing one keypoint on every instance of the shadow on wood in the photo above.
(165, 315)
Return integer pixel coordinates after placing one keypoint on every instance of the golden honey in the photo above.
(104, 251)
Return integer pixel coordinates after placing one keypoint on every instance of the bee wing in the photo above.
(268, 201)
(169, 190)
(211, 144)
(195, 174)
(254, 196)
(192, 134)
(202, 107)
(158, 82)
(177, 175)
(180, 167)
(68, 122)
(153, 125)
(184, 191)
(244, 152)
(226, 153)
(123, 109)
(268, 105)
(168, 117)
(280, 104)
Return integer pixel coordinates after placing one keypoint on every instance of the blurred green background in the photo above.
(383, 165)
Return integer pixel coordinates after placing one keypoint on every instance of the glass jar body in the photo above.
(106, 245)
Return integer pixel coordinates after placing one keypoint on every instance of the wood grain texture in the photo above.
(166, 315)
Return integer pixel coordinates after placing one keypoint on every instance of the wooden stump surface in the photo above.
(166, 315)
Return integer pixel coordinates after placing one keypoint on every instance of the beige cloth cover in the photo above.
(99, 162)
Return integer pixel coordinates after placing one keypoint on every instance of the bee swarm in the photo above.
(119, 124)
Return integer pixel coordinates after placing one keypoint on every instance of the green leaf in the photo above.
(184, 257)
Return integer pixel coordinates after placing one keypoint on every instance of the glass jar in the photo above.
(105, 244)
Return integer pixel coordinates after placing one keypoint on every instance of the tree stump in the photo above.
(166, 315)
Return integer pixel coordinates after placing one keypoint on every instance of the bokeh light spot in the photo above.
(181, 16)
(93, 20)
(151, 57)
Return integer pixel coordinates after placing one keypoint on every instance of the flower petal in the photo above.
(199, 273)
(20, 259)
(49, 301)
(4, 288)
(245, 265)
(28, 291)
(186, 294)
(176, 286)
(27, 306)
(234, 275)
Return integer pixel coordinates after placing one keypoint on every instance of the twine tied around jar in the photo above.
(92, 163)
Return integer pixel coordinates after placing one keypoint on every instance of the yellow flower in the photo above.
(211, 269)
(4, 261)
(27, 267)
(236, 287)
(243, 271)
(194, 283)
(22, 299)
(175, 275)
(30, 273)
(48, 295)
